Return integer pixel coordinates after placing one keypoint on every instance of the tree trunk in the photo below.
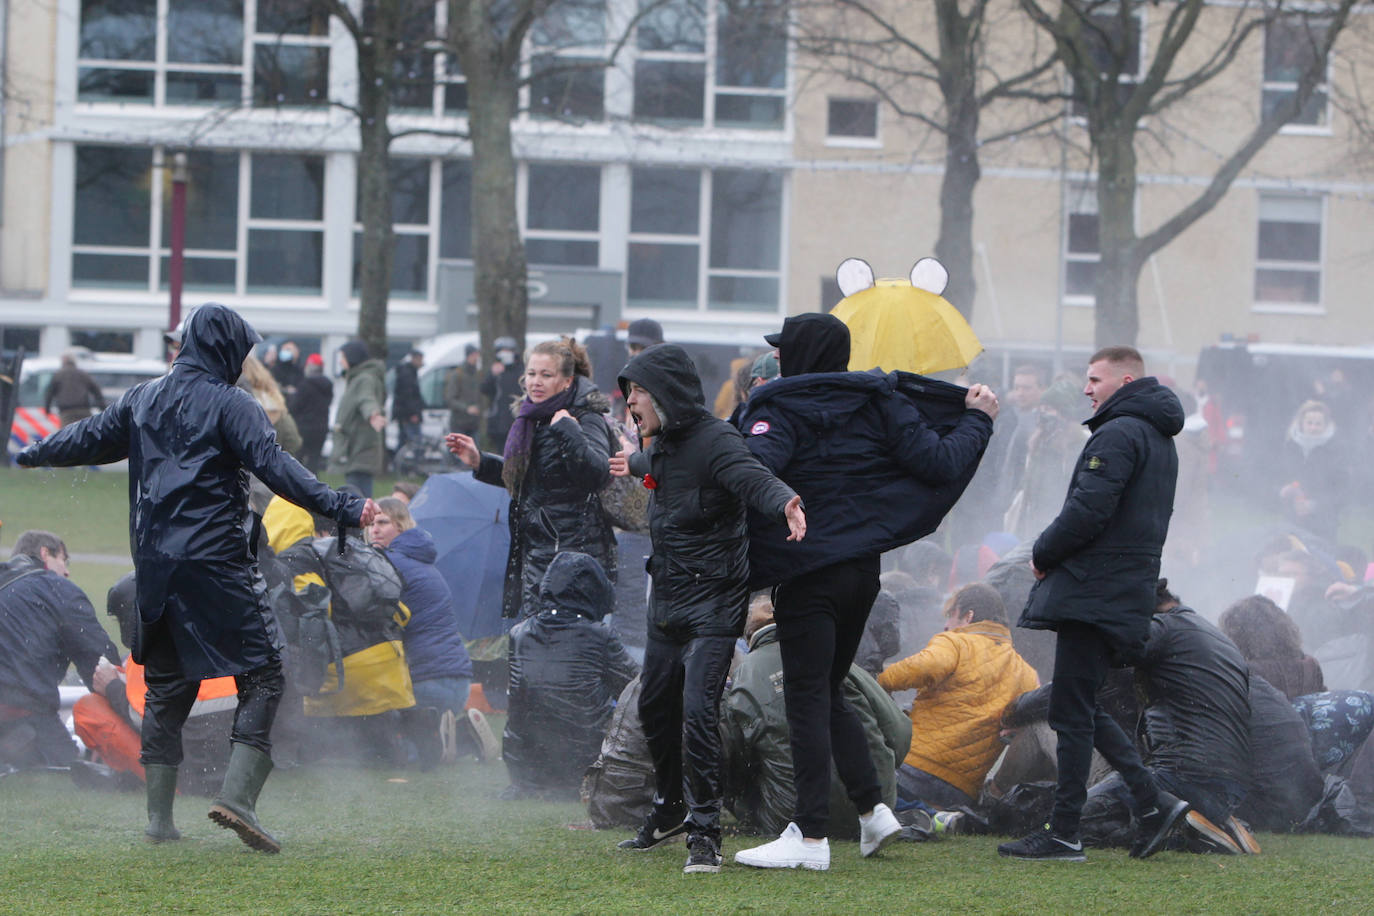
(1118, 272)
(958, 85)
(374, 180)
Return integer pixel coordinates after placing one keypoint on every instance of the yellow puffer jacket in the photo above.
(965, 678)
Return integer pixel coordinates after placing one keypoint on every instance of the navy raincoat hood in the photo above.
(191, 439)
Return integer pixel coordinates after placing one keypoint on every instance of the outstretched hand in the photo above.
(796, 519)
(466, 449)
(370, 512)
(620, 465)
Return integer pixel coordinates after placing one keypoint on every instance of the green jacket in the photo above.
(758, 757)
(357, 446)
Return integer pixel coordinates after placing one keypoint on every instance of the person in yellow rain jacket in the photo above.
(965, 676)
(360, 592)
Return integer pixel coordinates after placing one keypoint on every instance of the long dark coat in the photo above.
(191, 437)
(1101, 554)
(569, 463)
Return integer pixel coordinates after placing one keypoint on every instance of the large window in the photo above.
(851, 119)
(747, 86)
(563, 215)
(1082, 250)
(1288, 264)
(121, 235)
(567, 68)
(191, 52)
(1290, 49)
(411, 229)
(740, 214)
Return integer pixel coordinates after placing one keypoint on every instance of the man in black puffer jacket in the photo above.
(702, 477)
(1096, 565)
(875, 472)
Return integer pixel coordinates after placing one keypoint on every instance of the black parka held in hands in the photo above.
(191, 437)
(557, 507)
(1101, 554)
(704, 480)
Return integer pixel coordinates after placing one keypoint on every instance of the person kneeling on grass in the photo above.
(702, 478)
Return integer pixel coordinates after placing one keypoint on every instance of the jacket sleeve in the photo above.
(584, 447)
(489, 469)
(925, 669)
(82, 638)
(1027, 709)
(640, 463)
(770, 436)
(245, 429)
(924, 453)
(101, 439)
(620, 667)
(1092, 502)
(734, 467)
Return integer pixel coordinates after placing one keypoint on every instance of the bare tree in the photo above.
(943, 79)
(1114, 90)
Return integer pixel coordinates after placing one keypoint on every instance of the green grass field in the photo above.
(365, 841)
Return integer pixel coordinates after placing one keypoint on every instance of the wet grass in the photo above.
(363, 841)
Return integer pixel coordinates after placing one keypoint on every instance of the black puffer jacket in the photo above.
(191, 437)
(704, 478)
(1101, 554)
(566, 669)
(569, 464)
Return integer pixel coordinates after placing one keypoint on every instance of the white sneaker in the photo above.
(878, 829)
(788, 851)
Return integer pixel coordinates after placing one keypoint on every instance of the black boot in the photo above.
(162, 790)
(235, 806)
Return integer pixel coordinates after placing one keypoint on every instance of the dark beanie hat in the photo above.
(355, 351)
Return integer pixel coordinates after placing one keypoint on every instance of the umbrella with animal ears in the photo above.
(903, 323)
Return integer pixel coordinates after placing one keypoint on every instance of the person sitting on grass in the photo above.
(965, 677)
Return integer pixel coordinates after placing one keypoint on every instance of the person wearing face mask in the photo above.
(502, 389)
(555, 460)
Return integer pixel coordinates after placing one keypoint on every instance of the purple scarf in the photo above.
(521, 436)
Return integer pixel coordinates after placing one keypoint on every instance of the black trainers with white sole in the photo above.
(652, 833)
(1044, 846)
(703, 855)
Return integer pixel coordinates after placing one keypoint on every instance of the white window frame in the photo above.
(840, 141)
(1321, 129)
(522, 189)
(1318, 267)
(1126, 79)
(1079, 197)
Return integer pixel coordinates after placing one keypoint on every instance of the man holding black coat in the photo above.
(1097, 565)
(702, 478)
(874, 474)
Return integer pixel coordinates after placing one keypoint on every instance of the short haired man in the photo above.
(642, 333)
(1096, 566)
(73, 392)
(46, 624)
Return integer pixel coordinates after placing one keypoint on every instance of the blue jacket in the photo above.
(191, 437)
(46, 624)
(434, 647)
(878, 460)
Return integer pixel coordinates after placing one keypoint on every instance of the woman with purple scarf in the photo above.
(556, 460)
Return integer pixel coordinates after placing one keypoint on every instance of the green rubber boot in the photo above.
(234, 808)
(162, 790)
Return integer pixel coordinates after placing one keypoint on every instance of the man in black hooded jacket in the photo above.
(874, 475)
(190, 438)
(1096, 567)
(702, 478)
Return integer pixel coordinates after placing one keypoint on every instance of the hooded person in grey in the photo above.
(703, 480)
(191, 438)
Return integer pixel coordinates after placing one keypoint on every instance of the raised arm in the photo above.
(101, 439)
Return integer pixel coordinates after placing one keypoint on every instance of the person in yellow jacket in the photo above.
(965, 677)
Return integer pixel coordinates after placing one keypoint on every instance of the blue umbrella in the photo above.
(467, 520)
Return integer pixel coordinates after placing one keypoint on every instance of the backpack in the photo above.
(625, 500)
(364, 587)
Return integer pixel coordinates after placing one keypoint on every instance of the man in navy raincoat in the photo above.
(191, 437)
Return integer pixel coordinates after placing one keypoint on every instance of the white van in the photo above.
(115, 373)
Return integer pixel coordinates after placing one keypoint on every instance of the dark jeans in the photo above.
(917, 788)
(171, 695)
(1081, 659)
(679, 706)
(821, 617)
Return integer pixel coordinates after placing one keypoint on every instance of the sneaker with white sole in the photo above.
(1044, 846)
(448, 737)
(876, 829)
(788, 851)
(488, 748)
(703, 855)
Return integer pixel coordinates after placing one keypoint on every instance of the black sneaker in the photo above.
(703, 855)
(1044, 845)
(1156, 825)
(652, 833)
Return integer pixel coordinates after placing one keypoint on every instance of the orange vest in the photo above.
(211, 690)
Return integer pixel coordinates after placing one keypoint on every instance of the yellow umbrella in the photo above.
(903, 323)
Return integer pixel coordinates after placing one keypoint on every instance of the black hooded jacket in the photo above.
(878, 459)
(1101, 553)
(191, 437)
(557, 507)
(566, 669)
(704, 477)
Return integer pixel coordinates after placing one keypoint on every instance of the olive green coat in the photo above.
(357, 446)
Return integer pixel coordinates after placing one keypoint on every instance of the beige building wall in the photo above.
(28, 81)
